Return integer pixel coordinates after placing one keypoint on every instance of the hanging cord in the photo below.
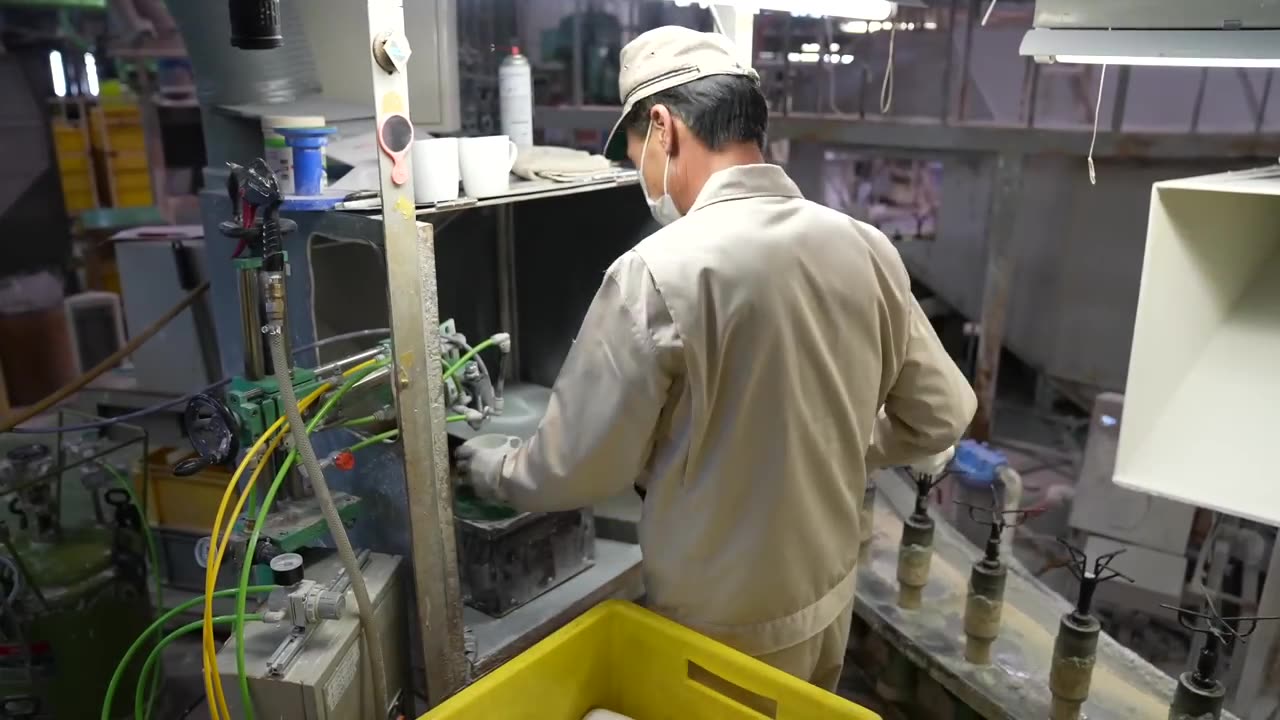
(1097, 113)
(886, 88)
(987, 16)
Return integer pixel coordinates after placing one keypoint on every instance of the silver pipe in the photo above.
(377, 377)
(342, 364)
(255, 366)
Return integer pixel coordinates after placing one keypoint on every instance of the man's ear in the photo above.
(664, 128)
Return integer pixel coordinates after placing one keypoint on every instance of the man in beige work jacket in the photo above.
(733, 366)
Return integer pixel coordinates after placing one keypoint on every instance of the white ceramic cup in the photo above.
(486, 165)
(435, 170)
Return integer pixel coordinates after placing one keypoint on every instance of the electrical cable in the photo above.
(152, 550)
(302, 444)
(18, 417)
(358, 334)
(383, 437)
(987, 15)
(356, 374)
(213, 683)
(1097, 116)
(121, 666)
(168, 639)
(152, 410)
(886, 87)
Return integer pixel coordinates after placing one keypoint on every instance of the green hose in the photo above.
(462, 361)
(159, 648)
(157, 626)
(153, 551)
(373, 440)
(247, 566)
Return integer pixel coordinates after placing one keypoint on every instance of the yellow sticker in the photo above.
(406, 359)
(392, 102)
(405, 208)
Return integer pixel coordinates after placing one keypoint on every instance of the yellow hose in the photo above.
(217, 551)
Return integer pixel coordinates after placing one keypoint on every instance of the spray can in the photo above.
(515, 98)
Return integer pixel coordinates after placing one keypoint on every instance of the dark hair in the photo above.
(719, 110)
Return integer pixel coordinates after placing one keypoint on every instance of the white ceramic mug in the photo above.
(486, 165)
(435, 170)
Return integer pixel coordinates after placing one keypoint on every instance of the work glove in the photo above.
(480, 460)
(933, 465)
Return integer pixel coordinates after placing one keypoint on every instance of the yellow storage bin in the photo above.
(623, 658)
(181, 503)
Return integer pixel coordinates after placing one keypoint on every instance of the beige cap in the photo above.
(664, 58)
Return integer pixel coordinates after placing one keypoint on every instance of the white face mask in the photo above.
(664, 208)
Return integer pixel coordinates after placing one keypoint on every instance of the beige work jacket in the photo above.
(732, 365)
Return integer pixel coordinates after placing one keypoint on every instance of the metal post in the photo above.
(739, 27)
(419, 391)
(576, 73)
(974, 9)
(1259, 655)
(995, 294)
(1033, 93)
(1198, 106)
(945, 112)
(1122, 97)
(508, 320)
(1262, 104)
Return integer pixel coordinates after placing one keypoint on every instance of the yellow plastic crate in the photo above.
(181, 503)
(623, 658)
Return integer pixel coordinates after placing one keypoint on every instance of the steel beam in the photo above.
(995, 293)
(927, 134)
(419, 391)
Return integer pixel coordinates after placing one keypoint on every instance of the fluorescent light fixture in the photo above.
(809, 57)
(911, 26)
(846, 59)
(58, 73)
(859, 9)
(875, 26)
(91, 73)
(835, 47)
(854, 27)
(793, 57)
(1165, 48)
(1168, 61)
(810, 47)
(930, 25)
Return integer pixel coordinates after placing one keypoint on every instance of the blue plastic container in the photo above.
(308, 157)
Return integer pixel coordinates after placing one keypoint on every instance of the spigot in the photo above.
(915, 553)
(261, 193)
(984, 605)
(1076, 648)
(1199, 693)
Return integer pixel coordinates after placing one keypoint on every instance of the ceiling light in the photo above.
(930, 25)
(91, 73)
(911, 26)
(854, 27)
(875, 26)
(862, 9)
(810, 47)
(835, 47)
(58, 74)
(1166, 48)
(793, 57)
(846, 59)
(809, 57)
(1169, 61)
